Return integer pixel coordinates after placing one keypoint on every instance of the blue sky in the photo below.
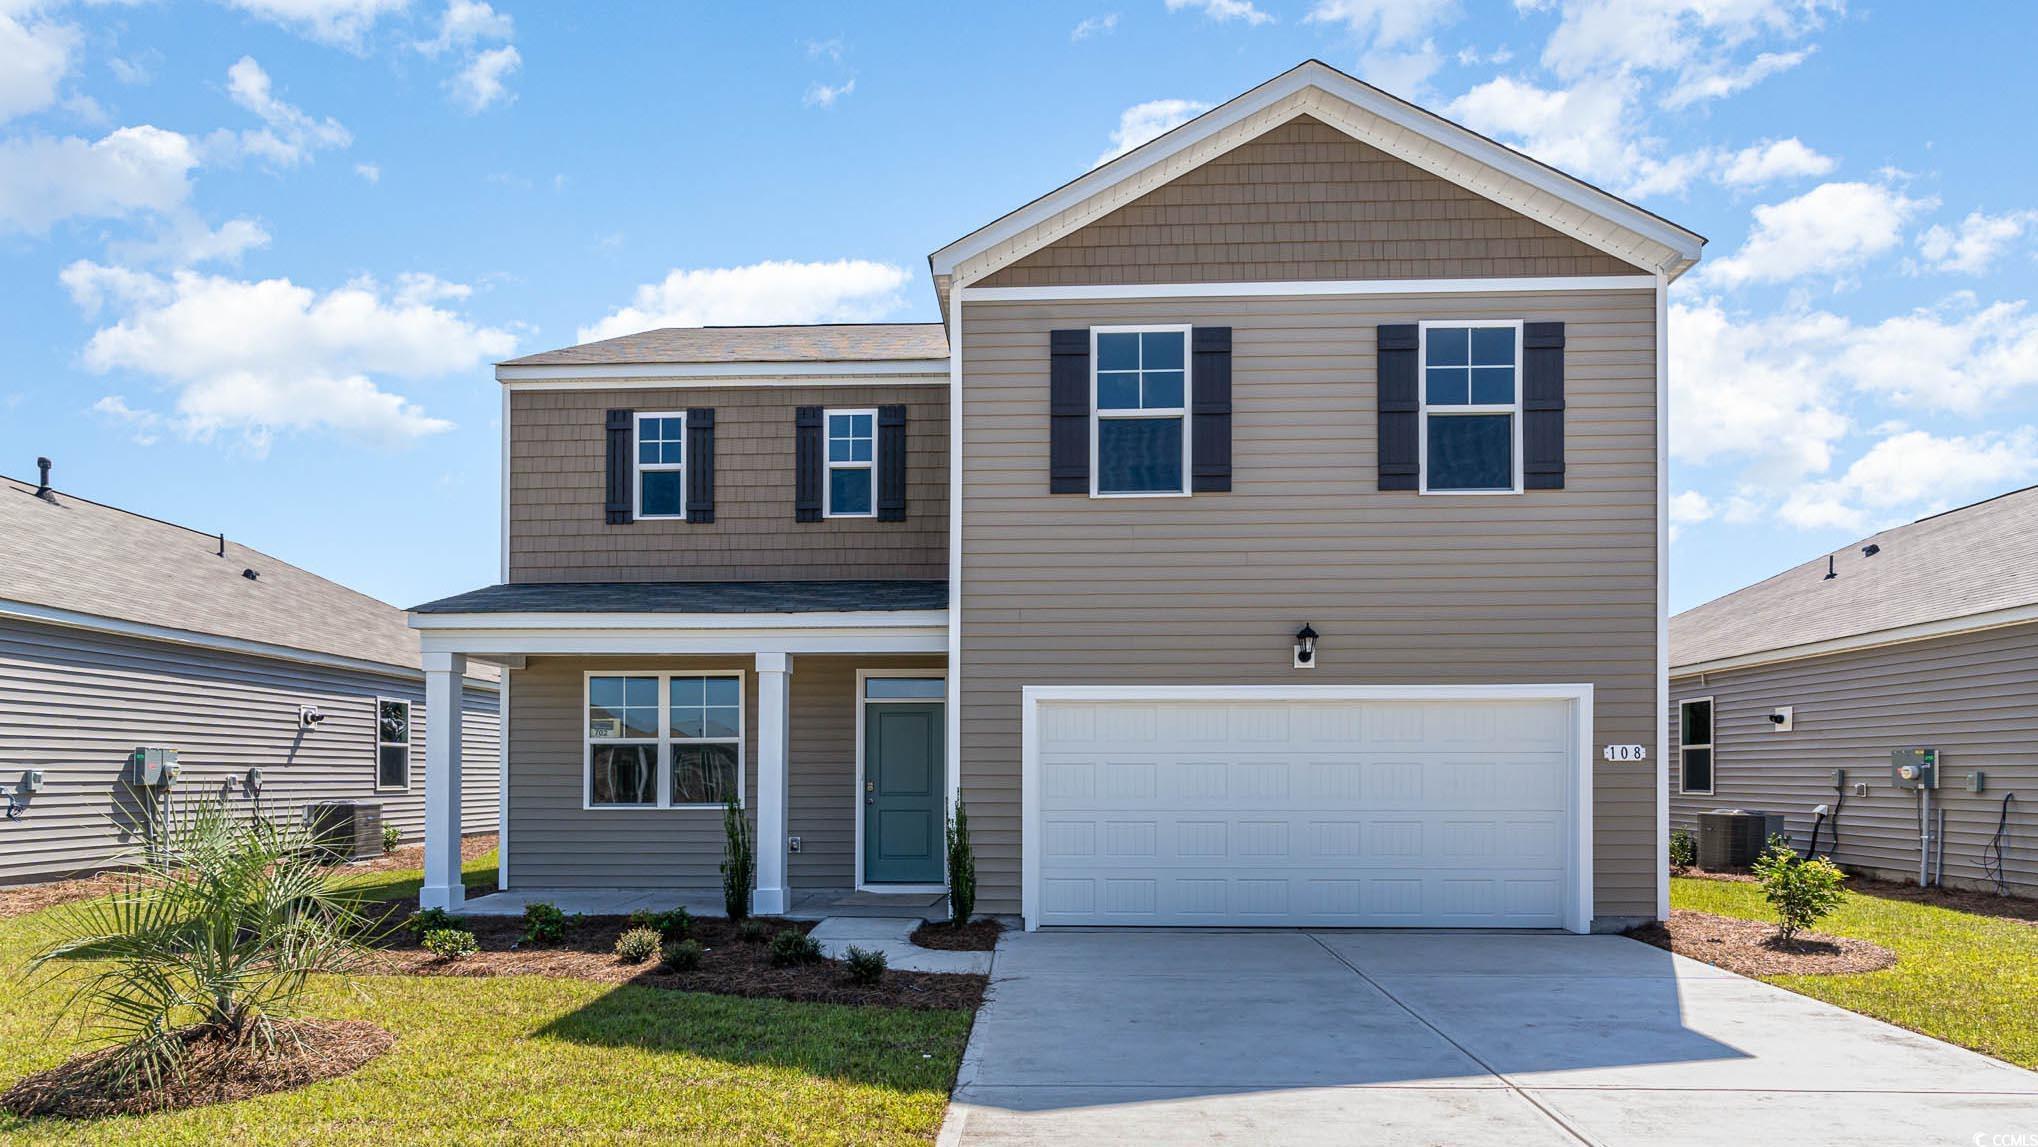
(258, 254)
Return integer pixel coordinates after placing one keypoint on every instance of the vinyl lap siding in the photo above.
(1974, 697)
(1549, 586)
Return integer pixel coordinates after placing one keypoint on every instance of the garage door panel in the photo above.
(1323, 898)
(1517, 841)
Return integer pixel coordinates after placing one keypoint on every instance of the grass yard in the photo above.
(1960, 976)
(523, 1059)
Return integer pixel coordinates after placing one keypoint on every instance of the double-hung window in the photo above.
(1471, 408)
(392, 744)
(1139, 404)
(851, 489)
(1694, 746)
(664, 740)
(661, 465)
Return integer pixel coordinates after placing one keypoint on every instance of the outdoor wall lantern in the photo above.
(1305, 647)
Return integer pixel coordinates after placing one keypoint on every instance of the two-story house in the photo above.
(1271, 533)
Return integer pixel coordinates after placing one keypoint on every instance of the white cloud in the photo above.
(821, 95)
(143, 423)
(831, 49)
(1753, 392)
(290, 135)
(1694, 37)
(1915, 472)
(1686, 507)
(256, 357)
(420, 288)
(1383, 23)
(1583, 129)
(466, 23)
(1955, 357)
(34, 58)
(1094, 26)
(1224, 11)
(184, 240)
(842, 291)
(1771, 160)
(1970, 247)
(1831, 229)
(134, 169)
(1698, 86)
(372, 172)
(481, 82)
(340, 22)
(1142, 122)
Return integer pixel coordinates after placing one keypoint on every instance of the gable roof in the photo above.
(74, 556)
(1395, 126)
(821, 342)
(1958, 570)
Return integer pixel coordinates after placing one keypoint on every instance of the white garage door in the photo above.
(1441, 813)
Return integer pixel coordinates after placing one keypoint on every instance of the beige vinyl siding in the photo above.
(1306, 201)
(557, 531)
(1548, 586)
(75, 704)
(1974, 697)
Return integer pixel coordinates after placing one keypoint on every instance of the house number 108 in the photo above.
(1626, 753)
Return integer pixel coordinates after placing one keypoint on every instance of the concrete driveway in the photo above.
(1405, 1038)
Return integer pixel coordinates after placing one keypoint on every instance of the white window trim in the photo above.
(856, 795)
(409, 731)
(639, 467)
(1422, 396)
(1712, 734)
(664, 740)
(1097, 414)
(829, 465)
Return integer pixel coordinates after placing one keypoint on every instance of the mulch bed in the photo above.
(85, 1087)
(1750, 947)
(730, 965)
(976, 936)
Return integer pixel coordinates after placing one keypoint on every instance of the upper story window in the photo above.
(1139, 433)
(1694, 745)
(1471, 408)
(664, 740)
(392, 744)
(661, 465)
(851, 489)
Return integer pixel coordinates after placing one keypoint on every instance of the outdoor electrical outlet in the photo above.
(1861, 789)
(792, 844)
(1977, 782)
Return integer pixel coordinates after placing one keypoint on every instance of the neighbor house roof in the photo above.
(1966, 568)
(841, 342)
(66, 559)
(697, 597)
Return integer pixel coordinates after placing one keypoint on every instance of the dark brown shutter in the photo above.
(891, 463)
(1542, 406)
(1210, 411)
(1068, 412)
(1397, 374)
(700, 466)
(620, 429)
(807, 464)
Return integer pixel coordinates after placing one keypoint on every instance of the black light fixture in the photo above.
(1305, 647)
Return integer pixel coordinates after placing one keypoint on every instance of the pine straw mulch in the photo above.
(979, 935)
(730, 966)
(1750, 947)
(2023, 910)
(85, 1087)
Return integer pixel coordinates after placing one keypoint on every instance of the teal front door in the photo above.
(903, 792)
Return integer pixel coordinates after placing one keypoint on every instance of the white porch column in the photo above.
(774, 677)
(444, 673)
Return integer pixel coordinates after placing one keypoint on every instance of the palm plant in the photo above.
(213, 938)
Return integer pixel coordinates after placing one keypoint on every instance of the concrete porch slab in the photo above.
(889, 935)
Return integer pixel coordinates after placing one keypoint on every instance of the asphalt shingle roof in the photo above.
(696, 597)
(845, 342)
(1976, 559)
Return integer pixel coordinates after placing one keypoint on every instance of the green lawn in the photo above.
(1962, 977)
(530, 1060)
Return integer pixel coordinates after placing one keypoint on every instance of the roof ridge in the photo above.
(1969, 506)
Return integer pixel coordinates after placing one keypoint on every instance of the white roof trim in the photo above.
(1566, 283)
(936, 369)
(1362, 111)
(1921, 631)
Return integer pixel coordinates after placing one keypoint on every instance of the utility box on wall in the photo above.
(149, 768)
(1914, 769)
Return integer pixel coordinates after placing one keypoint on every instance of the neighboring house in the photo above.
(1922, 636)
(1316, 360)
(119, 632)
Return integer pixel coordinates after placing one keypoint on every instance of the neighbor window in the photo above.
(1139, 432)
(1694, 739)
(852, 464)
(392, 744)
(664, 740)
(661, 465)
(1471, 408)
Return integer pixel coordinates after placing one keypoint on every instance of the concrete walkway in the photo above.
(1409, 1038)
(889, 936)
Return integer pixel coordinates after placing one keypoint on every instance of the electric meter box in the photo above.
(1914, 768)
(153, 767)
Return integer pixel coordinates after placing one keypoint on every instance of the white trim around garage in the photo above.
(1662, 594)
(1899, 635)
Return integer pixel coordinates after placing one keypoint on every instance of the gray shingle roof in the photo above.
(81, 556)
(845, 342)
(1976, 559)
(696, 597)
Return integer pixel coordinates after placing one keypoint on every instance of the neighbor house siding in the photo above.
(1306, 201)
(1548, 586)
(75, 704)
(1974, 697)
(557, 531)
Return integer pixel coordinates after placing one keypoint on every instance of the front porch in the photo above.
(809, 904)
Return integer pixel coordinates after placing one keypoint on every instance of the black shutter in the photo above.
(1396, 376)
(1542, 406)
(620, 428)
(700, 466)
(807, 464)
(1210, 411)
(1068, 412)
(891, 461)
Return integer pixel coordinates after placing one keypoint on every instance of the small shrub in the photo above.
(684, 956)
(739, 862)
(544, 923)
(391, 837)
(643, 918)
(865, 966)
(451, 943)
(962, 868)
(637, 945)
(793, 946)
(431, 920)
(1802, 892)
(673, 926)
(751, 931)
(1683, 849)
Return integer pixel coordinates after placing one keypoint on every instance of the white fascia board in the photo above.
(682, 622)
(1308, 287)
(572, 642)
(1529, 692)
(1900, 635)
(732, 373)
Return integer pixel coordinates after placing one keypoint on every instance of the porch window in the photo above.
(664, 740)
